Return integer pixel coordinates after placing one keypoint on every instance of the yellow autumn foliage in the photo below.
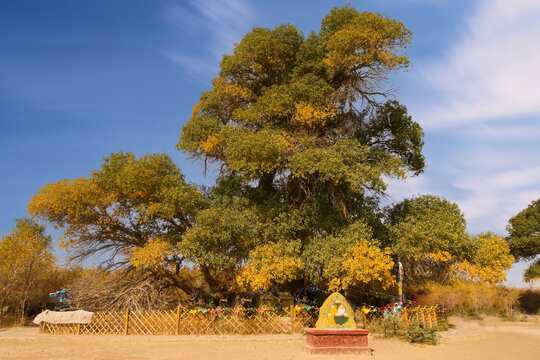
(151, 255)
(307, 114)
(272, 263)
(491, 261)
(363, 263)
(234, 90)
(211, 145)
(196, 109)
(439, 256)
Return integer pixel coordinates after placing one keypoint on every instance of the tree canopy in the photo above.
(131, 206)
(304, 135)
(524, 237)
(429, 233)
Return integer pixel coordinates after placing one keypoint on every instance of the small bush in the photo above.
(529, 301)
(443, 325)
(390, 326)
(420, 335)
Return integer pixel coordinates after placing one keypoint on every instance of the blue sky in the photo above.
(82, 79)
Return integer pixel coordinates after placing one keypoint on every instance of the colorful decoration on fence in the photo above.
(336, 313)
(396, 307)
(62, 296)
(218, 311)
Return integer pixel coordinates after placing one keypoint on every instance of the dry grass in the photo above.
(471, 298)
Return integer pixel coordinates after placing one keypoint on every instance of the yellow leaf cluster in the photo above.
(307, 114)
(439, 256)
(196, 109)
(235, 90)
(363, 263)
(151, 255)
(211, 145)
(268, 264)
(283, 140)
(371, 40)
(491, 261)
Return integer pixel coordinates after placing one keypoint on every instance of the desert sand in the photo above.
(467, 339)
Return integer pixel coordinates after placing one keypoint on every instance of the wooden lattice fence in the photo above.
(233, 321)
(193, 322)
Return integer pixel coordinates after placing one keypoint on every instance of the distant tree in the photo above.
(489, 261)
(304, 135)
(426, 232)
(133, 211)
(25, 260)
(524, 238)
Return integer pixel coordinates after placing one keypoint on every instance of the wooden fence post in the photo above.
(78, 328)
(365, 320)
(126, 323)
(422, 312)
(178, 320)
(406, 316)
(435, 319)
(292, 318)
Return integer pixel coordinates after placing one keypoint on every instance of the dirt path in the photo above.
(487, 339)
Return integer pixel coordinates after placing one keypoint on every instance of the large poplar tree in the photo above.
(304, 134)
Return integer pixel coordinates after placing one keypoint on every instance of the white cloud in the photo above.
(495, 184)
(214, 25)
(399, 189)
(492, 71)
(502, 132)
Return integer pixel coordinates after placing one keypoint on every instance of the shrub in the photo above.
(443, 325)
(390, 325)
(529, 301)
(420, 335)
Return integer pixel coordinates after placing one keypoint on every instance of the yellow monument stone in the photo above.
(336, 313)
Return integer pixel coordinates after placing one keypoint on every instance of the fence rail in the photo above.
(228, 321)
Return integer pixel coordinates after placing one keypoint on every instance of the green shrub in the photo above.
(420, 335)
(443, 325)
(390, 325)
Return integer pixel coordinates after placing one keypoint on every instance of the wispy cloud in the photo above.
(502, 132)
(214, 26)
(494, 185)
(492, 71)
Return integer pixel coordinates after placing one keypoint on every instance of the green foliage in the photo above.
(426, 224)
(442, 324)
(427, 232)
(417, 334)
(532, 272)
(524, 238)
(223, 234)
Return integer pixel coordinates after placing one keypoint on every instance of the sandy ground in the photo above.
(467, 339)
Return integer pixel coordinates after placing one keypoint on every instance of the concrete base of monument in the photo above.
(337, 341)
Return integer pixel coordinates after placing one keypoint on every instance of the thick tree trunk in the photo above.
(266, 183)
